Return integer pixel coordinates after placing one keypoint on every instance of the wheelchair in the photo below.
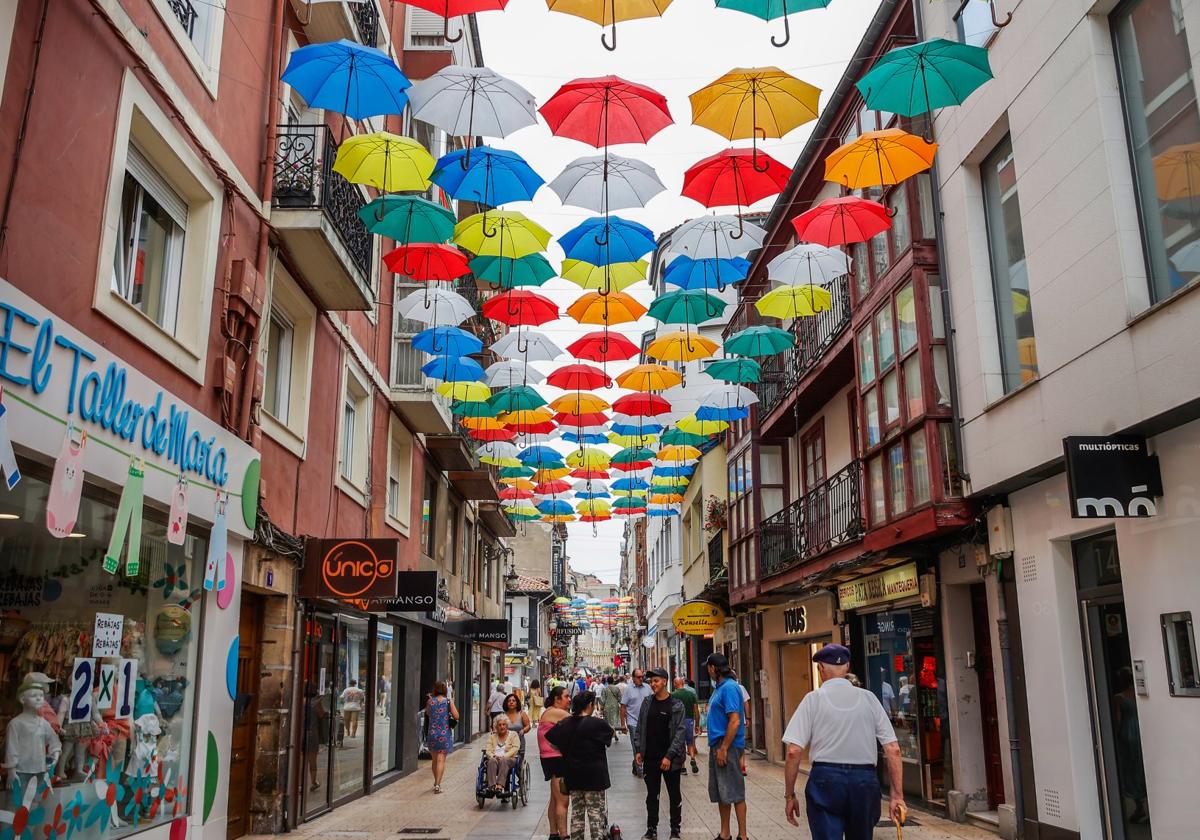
(516, 787)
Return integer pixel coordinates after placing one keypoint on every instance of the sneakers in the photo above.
(651, 834)
(675, 835)
(695, 767)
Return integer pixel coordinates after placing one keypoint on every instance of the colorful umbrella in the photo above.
(540, 456)
(876, 158)
(613, 308)
(918, 78)
(606, 110)
(427, 261)
(489, 176)
(734, 178)
(759, 341)
(842, 221)
(435, 307)
(642, 405)
(552, 488)
(467, 392)
(680, 307)
(501, 233)
(579, 403)
(509, 272)
(530, 345)
(348, 78)
(446, 340)
(616, 276)
(793, 302)
(607, 182)
(632, 455)
(716, 237)
(679, 454)
(385, 161)
(808, 263)
(518, 307)
(520, 398)
(607, 240)
(678, 437)
(710, 273)
(589, 458)
(407, 219)
(773, 9)
(681, 347)
(457, 8)
(451, 369)
(472, 102)
(603, 346)
(649, 377)
(512, 372)
(472, 407)
(579, 377)
(735, 370)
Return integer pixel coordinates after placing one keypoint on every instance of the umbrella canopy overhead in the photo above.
(487, 176)
(649, 377)
(808, 264)
(385, 161)
(457, 8)
(517, 307)
(472, 101)
(606, 240)
(772, 10)
(348, 78)
(579, 377)
(598, 308)
(613, 277)
(451, 341)
(435, 307)
(921, 77)
(501, 233)
(603, 346)
(754, 102)
(407, 219)
(427, 261)
(842, 221)
(878, 158)
(510, 372)
(734, 177)
(716, 237)
(787, 302)
(688, 274)
(526, 345)
(511, 272)
(607, 182)
(606, 111)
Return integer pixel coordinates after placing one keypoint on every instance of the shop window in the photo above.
(918, 453)
(1010, 276)
(132, 700)
(1163, 121)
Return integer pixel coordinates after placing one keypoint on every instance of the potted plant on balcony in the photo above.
(715, 514)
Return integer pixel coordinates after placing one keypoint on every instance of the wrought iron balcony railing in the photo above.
(827, 517)
(366, 19)
(717, 570)
(186, 13)
(304, 179)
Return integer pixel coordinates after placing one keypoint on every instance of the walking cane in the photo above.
(899, 823)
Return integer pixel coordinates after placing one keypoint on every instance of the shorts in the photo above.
(726, 785)
(689, 732)
(552, 767)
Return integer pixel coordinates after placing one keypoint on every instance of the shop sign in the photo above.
(415, 592)
(795, 620)
(568, 630)
(697, 618)
(1111, 477)
(889, 585)
(349, 569)
(484, 630)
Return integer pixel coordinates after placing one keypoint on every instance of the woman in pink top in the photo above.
(557, 704)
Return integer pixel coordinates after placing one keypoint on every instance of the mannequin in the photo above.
(31, 748)
(77, 737)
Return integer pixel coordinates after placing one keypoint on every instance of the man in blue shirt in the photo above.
(726, 741)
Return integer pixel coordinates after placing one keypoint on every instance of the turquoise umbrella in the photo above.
(510, 272)
(735, 370)
(686, 307)
(773, 9)
(408, 219)
(520, 398)
(678, 437)
(473, 409)
(759, 341)
(919, 78)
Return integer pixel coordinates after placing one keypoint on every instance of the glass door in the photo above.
(389, 641)
(353, 669)
(319, 707)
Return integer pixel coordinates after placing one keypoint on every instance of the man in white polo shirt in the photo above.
(840, 725)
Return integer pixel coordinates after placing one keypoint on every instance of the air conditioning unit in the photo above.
(1000, 533)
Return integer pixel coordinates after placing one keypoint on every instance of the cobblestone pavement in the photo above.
(410, 803)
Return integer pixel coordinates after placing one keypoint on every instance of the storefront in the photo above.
(122, 531)
(897, 654)
(792, 633)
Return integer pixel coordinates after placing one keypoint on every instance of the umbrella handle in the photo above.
(741, 222)
(787, 29)
(765, 166)
(612, 4)
(508, 305)
(996, 23)
(446, 28)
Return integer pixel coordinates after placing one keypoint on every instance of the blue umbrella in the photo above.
(607, 240)
(348, 78)
(661, 511)
(630, 484)
(540, 456)
(726, 413)
(593, 494)
(489, 176)
(634, 430)
(555, 507)
(673, 471)
(453, 369)
(449, 341)
(590, 439)
(713, 273)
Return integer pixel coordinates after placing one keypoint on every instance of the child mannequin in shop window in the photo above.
(31, 747)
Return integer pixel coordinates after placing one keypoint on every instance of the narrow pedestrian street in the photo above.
(409, 808)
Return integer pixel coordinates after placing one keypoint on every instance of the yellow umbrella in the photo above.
(678, 453)
(649, 378)
(613, 308)
(589, 458)
(681, 347)
(668, 480)
(608, 13)
(875, 158)
(519, 483)
(501, 233)
(501, 461)
(615, 277)
(385, 161)
(593, 507)
(627, 441)
(754, 102)
(481, 423)
(465, 391)
(693, 426)
(579, 403)
(554, 474)
(559, 517)
(793, 302)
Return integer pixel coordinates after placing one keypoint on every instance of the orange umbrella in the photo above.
(480, 423)
(613, 308)
(548, 475)
(534, 415)
(876, 158)
(1177, 172)
(579, 403)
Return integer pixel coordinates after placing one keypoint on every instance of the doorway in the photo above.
(1116, 734)
(988, 710)
(245, 716)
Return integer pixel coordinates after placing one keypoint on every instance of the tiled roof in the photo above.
(524, 583)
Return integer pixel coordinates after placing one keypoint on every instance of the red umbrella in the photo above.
(515, 493)
(520, 307)
(457, 8)
(632, 466)
(731, 178)
(641, 405)
(841, 221)
(592, 474)
(578, 421)
(428, 262)
(579, 378)
(493, 434)
(543, 428)
(550, 488)
(603, 346)
(601, 518)
(606, 110)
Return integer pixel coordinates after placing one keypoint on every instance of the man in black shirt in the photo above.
(660, 744)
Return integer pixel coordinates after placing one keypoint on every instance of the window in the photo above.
(1163, 121)
(1010, 279)
(899, 489)
(399, 486)
(355, 432)
(974, 20)
(196, 26)
(452, 522)
(393, 497)
(948, 454)
(866, 357)
(918, 454)
(812, 456)
(875, 487)
(349, 418)
(148, 260)
(428, 506)
(278, 375)
(285, 353)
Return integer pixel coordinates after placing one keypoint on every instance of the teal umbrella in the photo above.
(632, 455)
(472, 409)
(678, 437)
(680, 307)
(773, 9)
(520, 398)
(516, 472)
(408, 219)
(510, 272)
(919, 78)
(759, 341)
(735, 370)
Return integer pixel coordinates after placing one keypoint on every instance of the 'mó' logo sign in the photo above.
(351, 568)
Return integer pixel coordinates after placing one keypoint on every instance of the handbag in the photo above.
(451, 720)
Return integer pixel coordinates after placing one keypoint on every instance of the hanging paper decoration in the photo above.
(177, 521)
(129, 518)
(226, 588)
(8, 459)
(214, 569)
(174, 579)
(66, 484)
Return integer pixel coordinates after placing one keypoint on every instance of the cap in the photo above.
(661, 673)
(717, 660)
(832, 655)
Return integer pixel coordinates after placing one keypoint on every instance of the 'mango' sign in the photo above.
(350, 569)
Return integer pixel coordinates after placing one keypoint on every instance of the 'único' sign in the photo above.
(350, 569)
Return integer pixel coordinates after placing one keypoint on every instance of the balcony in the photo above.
(717, 569)
(496, 520)
(412, 395)
(332, 21)
(185, 13)
(315, 211)
(478, 485)
(828, 517)
(814, 336)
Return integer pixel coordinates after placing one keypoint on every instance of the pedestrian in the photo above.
(496, 700)
(582, 739)
(440, 715)
(687, 695)
(536, 701)
(631, 704)
(518, 720)
(745, 711)
(352, 699)
(502, 749)
(557, 704)
(660, 745)
(840, 725)
(726, 743)
(610, 703)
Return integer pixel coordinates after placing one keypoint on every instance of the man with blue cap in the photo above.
(840, 726)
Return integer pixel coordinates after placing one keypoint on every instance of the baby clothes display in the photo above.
(8, 458)
(218, 543)
(66, 485)
(177, 520)
(129, 518)
(31, 745)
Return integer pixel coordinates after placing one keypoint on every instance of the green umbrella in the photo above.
(919, 78)
(772, 9)
(686, 307)
(509, 272)
(524, 517)
(759, 341)
(735, 370)
(678, 437)
(520, 398)
(516, 472)
(465, 408)
(627, 502)
(632, 455)
(408, 219)
(669, 488)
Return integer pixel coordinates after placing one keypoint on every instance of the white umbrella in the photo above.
(808, 264)
(496, 450)
(529, 345)
(721, 237)
(512, 372)
(728, 396)
(440, 307)
(525, 440)
(472, 101)
(588, 181)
